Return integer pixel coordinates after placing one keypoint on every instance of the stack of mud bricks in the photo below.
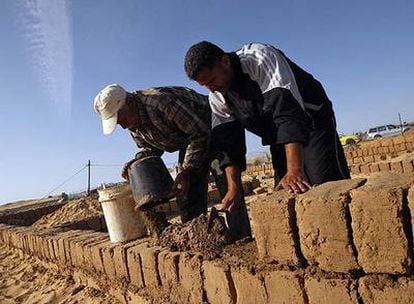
(368, 157)
(342, 242)
(377, 156)
(259, 170)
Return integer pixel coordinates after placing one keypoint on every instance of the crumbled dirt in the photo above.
(242, 253)
(155, 221)
(195, 236)
(74, 211)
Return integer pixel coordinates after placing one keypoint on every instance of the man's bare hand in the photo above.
(182, 183)
(230, 200)
(295, 182)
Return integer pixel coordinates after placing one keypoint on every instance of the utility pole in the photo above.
(89, 177)
(401, 127)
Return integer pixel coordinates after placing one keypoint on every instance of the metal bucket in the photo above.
(150, 181)
(124, 223)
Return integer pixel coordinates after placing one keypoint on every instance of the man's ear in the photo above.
(225, 61)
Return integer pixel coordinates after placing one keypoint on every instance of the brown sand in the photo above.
(73, 211)
(194, 236)
(28, 281)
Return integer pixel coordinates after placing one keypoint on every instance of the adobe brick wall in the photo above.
(368, 157)
(355, 237)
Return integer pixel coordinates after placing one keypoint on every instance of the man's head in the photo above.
(112, 105)
(210, 66)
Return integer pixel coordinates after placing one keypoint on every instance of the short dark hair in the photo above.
(200, 56)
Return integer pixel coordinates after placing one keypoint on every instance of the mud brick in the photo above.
(383, 150)
(327, 291)
(284, 287)
(63, 245)
(45, 238)
(149, 257)
(384, 167)
(87, 235)
(378, 221)
(273, 227)
(93, 256)
(358, 160)
(360, 153)
(374, 168)
(51, 249)
(408, 166)
(383, 289)
(101, 258)
(323, 239)
(88, 254)
(107, 254)
(397, 167)
(168, 267)
(391, 149)
(368, 159)
(120, 259)
(348, 155)
(249, 288)
(77, 250)
(371, 151)
(135, 266)
(355, 169)
(365, 152)
(365, 169)
(18, 236)
(191, 281)
(3, 228)
(44, 247)
(8, 239)
(218, 283)
(57, 241)
(401, 147)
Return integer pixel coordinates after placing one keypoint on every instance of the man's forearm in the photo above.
(233, 177)
(294, 157)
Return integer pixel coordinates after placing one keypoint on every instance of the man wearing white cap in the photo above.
(165, 119)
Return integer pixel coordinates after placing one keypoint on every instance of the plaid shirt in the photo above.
(171, 119)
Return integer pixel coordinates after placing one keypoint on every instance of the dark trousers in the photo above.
(238, 219)
(195, 203)
(324, 158)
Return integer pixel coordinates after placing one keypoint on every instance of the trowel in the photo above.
(216, 213)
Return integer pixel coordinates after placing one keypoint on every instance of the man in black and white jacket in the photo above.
(259, 89)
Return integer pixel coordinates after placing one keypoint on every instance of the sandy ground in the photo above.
(75, 210)
(28, 280)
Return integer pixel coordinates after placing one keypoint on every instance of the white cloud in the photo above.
(47, 31)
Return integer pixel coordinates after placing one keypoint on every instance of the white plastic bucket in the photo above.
(124, 223)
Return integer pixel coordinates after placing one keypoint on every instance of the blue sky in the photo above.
(56, 55)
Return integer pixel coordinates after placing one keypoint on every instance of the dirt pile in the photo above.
(196, 236)
(74, 211)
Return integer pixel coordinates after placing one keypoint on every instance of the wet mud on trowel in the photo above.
(151, 185)
(236, 222)
(214, 214)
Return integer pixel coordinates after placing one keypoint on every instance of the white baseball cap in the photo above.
(107, 104)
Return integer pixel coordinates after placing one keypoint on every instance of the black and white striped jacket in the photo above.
(267, 83)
